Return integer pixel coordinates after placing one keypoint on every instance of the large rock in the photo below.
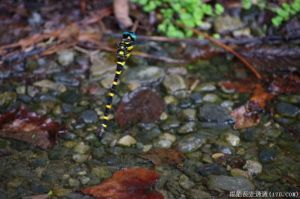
(227, 183)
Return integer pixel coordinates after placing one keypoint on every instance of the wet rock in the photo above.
(253, 167)
(73, 182)
(91, 137)
(174, 83)
(75, 196)
(227, 24)
(80, 158)
(68, 136)
(267, 155)
(101, 172)
(7, 98)
(287, 110)
(84, 180)
(211, 169)
(45, 83)
(227, 104)
(242, 32)
(197, 98)
(185, 182)
(107, 80)
(232, 139)
(66, 79)
(89, 116)
(191, 143)
(206, 87)
(60, 192)
(189, 114)
(215, 114)
(70, 96)
(66, 57)
(144, 76)
(170, 123)
(146, 136)
(165, 140)
(35, 19)
(198, 194)
(187, 128)
(98, 152)
(239, 172)
(210, 97)
(127, 140)
(186, 103)
(82, 148)
(227, 183)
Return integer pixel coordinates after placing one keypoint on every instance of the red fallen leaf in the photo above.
(29, 127)
(142, 105)
(129, 183)
(248, 115)
(164, 156)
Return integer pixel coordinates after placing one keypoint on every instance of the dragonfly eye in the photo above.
(129, 35)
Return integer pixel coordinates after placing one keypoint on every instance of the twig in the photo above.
(137, 53)
(225, 47)
(228, 41)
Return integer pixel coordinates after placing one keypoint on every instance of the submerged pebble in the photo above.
(127, 140)
(253, 167)
(191, 143)
(174, 83)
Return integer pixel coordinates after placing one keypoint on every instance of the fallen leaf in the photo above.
(129, 183)
(234, 161)
(243, 119)
(121, 10)
(142, 105)
(247, 115)
(163, 156)
(29, 127)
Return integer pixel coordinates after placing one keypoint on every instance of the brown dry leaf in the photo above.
(243, 119)
(164, 156)
(29, 127)
(248, 115)
(121, 10)
(129, 183)
(142, 105)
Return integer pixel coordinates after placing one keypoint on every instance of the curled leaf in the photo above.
(142, 105)
(129, 183)
(163, 156)
(29, 127)
(248, 115)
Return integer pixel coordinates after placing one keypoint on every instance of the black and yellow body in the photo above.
(123, 53)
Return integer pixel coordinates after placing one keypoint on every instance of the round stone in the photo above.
(232, 139)
(253, 167)
(66, 57)
(191, 143)
(127, 140)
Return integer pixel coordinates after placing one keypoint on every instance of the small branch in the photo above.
(145, 55)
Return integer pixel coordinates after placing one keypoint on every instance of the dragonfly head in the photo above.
(130, 35)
